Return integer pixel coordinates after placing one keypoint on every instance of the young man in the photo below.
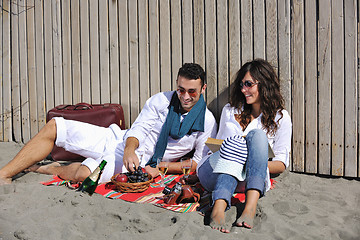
(170, 125)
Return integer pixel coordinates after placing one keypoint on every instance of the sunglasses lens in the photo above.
(247, 84)
(183, 91)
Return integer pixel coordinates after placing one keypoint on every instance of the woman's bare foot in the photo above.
(217, 219)
(44, 169)
(245, 221)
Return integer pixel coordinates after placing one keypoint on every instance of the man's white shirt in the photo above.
(148, 125)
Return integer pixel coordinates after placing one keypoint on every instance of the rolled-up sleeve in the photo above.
(210, 130)
(148, 116)
(282, 140)
(225, 117)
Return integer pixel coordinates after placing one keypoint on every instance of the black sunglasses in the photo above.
(248, 84)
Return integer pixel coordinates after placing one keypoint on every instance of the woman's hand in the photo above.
(154, 172)
(276, 167)
(190, 180)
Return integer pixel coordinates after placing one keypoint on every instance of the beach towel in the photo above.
(152, 195)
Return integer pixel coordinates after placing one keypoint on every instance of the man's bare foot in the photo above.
(217, 218)
(44, 169)
(245, 221)
(5, 181)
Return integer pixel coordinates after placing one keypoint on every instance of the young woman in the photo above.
(253, 119)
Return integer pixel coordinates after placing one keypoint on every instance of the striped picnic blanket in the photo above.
(152, 195)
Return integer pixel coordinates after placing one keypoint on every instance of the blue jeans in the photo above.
(223, 185)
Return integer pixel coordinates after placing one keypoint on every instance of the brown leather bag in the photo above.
(98, 114)
(183, 193)
(188, 194)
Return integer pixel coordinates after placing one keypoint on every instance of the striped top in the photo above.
(231, 157)
(234, 149)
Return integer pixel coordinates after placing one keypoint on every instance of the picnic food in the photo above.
(137, 176)
(90, 183)
(138, 181)
(121, 178)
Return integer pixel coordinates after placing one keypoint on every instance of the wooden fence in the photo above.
(325, 97)
(123, 51)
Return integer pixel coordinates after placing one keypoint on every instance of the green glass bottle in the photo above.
(90, 183)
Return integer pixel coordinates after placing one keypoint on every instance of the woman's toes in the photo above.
(246, 222)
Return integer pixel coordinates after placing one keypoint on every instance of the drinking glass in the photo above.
(163, 165)
(186, 164)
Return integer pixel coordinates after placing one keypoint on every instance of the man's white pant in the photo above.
(94, 143)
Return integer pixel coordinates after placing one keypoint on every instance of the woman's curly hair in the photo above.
(271, 100)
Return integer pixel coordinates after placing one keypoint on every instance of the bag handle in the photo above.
(79, 106)
(83, 106)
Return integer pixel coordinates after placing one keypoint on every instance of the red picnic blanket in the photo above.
(152, 195)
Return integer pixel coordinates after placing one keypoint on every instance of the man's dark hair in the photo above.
(192, 71)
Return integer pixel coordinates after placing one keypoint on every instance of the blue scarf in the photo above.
(194, 121)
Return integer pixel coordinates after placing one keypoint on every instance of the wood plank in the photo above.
(6, 71)
(85, 52)
(114, 53)
(234, 39)
(246, 31)
(104, 52)
(272, 34)
(30, 44)
(75, 51)
(40, 72)
(199, 33)
(165, 46)
(124, 60)
(15, 74)
(48, 55)
(94, 51)
(211, 58)
(187, 31)
(259, 28)
(66, 50)
(311, 103)
(154, 42)
(176, 44)
(337, 86)
(351, 93)
(57, 53)
(324, 63)
(25, 118)
(298, 87)
(1, 76)
(223, 54)
(143, 68)
(284, 22)
(358, 91)
(134, 61)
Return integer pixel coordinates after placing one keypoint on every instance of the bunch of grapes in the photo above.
(137, 176)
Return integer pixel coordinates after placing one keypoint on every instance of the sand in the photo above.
(300, 207)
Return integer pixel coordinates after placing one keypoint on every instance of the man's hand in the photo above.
(130, 159)
(154, 172)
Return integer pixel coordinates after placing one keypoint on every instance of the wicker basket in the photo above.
(131, 187)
